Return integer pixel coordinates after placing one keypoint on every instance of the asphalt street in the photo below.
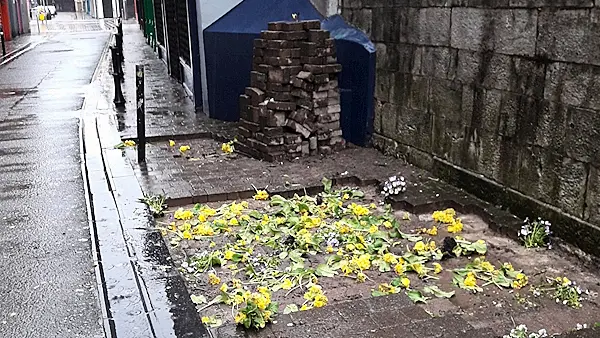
(47, 281)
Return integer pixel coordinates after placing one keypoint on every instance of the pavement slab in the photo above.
(48, 287)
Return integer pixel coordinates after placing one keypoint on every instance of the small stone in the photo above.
(312, 142)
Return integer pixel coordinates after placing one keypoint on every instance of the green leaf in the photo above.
(434, 290)
(480, 247)
(416, 296)
(326, 184)
(120, 146)
(296, 256)
(283, 255)
(383, 266)
(198, 299)
(323, 270)
(358, 194)
(278, 200)
(377, 293)
(410, 238)
(302, 207)
(255, 214)
(290, 308)
(396, 282)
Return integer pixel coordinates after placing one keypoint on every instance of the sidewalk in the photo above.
(170, 112)
(204, 174)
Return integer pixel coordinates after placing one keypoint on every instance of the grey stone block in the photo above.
(570, 36)
(551, 126)
(573, 84)
(446, 99)
(382, 85)
(434, 27)
(583, 135)
(572, 186)
(592, 201)
(508, 31)
(519, 118)
(552, 3)
(538, 174)
(436, 61)
(388, 114)
(414, 127)
(387, 56)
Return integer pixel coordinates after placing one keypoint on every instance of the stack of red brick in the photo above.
(292, 107)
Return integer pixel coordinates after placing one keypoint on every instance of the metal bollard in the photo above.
(119, 45)
(2, 41)
(141, 113)
(119, 100)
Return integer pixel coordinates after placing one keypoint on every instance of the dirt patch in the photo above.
(495, 308)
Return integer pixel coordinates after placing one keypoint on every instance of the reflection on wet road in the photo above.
(48, 286)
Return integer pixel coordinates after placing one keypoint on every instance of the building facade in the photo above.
(14, 18)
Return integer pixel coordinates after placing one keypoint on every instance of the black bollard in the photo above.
(3, 44)
(119, 45)
(141, 113)
(119, 100)
(2, 40)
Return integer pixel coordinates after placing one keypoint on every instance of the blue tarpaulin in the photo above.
(356, 54)
(229, 47)
(228, 44)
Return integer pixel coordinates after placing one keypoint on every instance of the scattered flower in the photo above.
(183, 149)
(171, 143)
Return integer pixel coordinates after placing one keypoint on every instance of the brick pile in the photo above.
(292, 107)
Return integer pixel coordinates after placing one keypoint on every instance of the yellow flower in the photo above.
(487, 266)
(418, 268)
(320, 300)
(224, 287)
(183, 214)
(129, 143)
(227, 148)
(173, 226)
(508, 267)
(470, 280)
(455, 227)
(437, 268)
(237, 299)
(346, 197)
(183, 149)
(400, 268)
(234, 222)
(305, 307)
(187, 235)
(236, 283)
(206, 320)
(261, 195)
(212, 244)
(264, 291)
(171, 143)
(228, 255)
(388, 224)
(432, 246)
(406, 216)
(446, 216)
(405, 282)
(267, 315)
(373, 229)
(359, 210)
(245, 218)
(390, 258)
(329, 249)
(419, 247)
(260, 300)
(565, 280)
(287, 284)
(433, 231)
(213, 279)
(361, 277)
(345, 267)
(372, 206)
(240, 317)
(363, 262)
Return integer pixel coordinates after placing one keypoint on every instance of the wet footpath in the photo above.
(49, 286)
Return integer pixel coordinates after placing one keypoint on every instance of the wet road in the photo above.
(47, 280)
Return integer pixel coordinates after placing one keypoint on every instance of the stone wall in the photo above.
(508, 90)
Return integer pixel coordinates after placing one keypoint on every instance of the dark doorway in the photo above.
(64, 5)
(107, 8)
